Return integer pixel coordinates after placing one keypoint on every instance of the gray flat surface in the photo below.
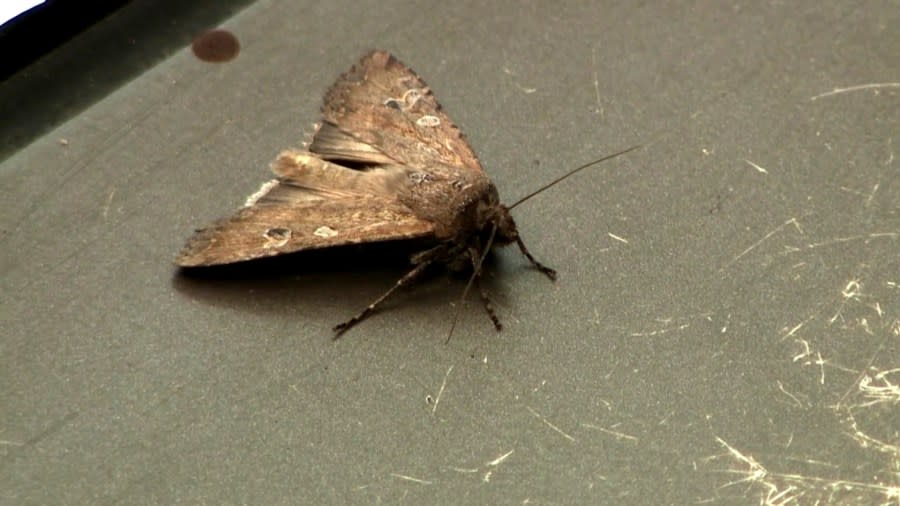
(725, 330)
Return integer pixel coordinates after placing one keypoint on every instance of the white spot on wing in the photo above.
(412, 97)
(428, 121)
(263, 190)
(325, 231)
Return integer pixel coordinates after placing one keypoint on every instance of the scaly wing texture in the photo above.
(314, 204)
(382, 111)
(379, 114)
(267, 230)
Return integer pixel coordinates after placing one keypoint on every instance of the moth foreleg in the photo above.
(475, 256)
(405, 280)
(550, 273)
(486, 301)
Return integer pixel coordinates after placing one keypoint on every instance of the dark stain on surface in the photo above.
(216, 46)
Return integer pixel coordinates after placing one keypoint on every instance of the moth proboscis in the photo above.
(385, 163)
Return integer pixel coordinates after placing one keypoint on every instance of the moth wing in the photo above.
(300, 224)
(331, 143)
(381, 110)
(314, 204)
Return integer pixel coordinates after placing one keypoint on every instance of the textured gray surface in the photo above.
(725, 330)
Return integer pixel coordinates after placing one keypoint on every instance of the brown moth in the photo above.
(386, 163)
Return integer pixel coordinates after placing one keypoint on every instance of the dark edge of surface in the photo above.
(35, 99)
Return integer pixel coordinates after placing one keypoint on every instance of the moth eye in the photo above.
(428, 121)
(277, 237)
(325, 231)
(393, 103)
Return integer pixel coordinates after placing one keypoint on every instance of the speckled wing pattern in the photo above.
(313, 204)
(267, 230)
(382, 121)
(382, 104)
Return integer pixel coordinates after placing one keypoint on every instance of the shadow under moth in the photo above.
(386, 163)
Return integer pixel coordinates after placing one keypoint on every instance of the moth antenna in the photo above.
(462, 300)
(573, 172)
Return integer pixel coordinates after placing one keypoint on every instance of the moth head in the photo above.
(494, 215)
(506, 226)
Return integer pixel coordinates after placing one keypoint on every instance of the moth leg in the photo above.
(405, 280)
(485, 300)
(429, 255)
(550, 273)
